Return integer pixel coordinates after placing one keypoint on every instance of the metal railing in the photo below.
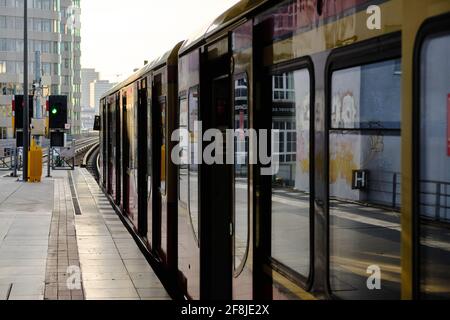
(435, 200)
(7, 159)
(434, 195)
(387, 184)
(7, 156)
(384, 189)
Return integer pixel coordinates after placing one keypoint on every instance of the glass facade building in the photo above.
(54, 31)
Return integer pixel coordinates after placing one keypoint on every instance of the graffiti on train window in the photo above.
(355, 103)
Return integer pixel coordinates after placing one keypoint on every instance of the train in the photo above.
(354, 96)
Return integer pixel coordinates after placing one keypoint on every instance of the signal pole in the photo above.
(26, 121)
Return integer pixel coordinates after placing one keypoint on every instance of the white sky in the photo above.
(118, 35)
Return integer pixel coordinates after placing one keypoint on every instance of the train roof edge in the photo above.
(230, 16)
(155, 64)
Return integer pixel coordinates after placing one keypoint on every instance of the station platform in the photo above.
(61, 240)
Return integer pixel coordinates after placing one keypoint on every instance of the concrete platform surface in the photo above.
(61, 240)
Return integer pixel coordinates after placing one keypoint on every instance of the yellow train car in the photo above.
(354, 200)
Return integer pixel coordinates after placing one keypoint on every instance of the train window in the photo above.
(162, 105)
(241, 167)
(183, 184)
(434, 178)
(364, 181)
(291, 185)
(193, 166)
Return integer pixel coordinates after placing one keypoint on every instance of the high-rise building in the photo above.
(87, 76)
(98, 88)
(87, 119)
(92, 88)
(54, 32)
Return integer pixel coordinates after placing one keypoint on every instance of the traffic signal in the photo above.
(56, 139)
(57, 112)
(19, 139)
(18, 110)
(97, 123)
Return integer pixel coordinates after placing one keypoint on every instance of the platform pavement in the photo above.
(25, 217)
(49, 252)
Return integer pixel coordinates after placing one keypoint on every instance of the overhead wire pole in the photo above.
(26, 121)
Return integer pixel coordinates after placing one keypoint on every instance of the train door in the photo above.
(130, 155)
(241, 119)
(216, 225)
(104, 131)
(110, 155)
(284, 177)
(158, 188)
(364, 169)
(188, 244)
(289, 185)
(432, 160)
(125, 155)
(142, 156)
(150, 166)
(117, 149)
(282, 180)
(132, 168)
(160, 216)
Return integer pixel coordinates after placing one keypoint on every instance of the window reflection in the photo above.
(183, 169)
(162, 103)
(193, 167)
(290, 186)
(435, 169)
(383, 111)
(365, 175)
(241, 149)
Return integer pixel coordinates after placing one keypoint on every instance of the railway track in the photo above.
(81, 147)
(90, 161)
